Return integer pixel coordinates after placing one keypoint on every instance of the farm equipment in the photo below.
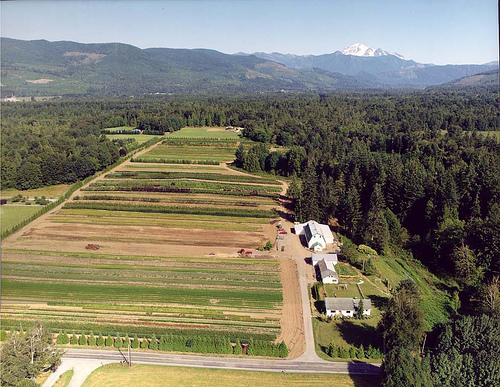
(92, 246)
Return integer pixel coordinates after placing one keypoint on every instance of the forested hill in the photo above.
(32, 68)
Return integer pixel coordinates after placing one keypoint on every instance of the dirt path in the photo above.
(38, 221)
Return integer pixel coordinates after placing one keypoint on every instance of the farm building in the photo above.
(346, 307)
(317, 235)
(327, 271)
(327, 257)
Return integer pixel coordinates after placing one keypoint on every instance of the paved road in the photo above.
(250, 364)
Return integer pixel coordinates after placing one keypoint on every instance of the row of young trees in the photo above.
(199, 344)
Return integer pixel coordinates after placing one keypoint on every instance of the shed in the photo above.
(328, 273)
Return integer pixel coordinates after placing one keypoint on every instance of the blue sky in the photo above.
(430, 31)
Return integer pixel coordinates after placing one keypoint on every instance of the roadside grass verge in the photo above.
(152, 375)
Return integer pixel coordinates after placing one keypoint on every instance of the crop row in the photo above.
(173, 161)
(52, 290)
(191, 176)
(210, 186)
(218, 211)
(167, 199)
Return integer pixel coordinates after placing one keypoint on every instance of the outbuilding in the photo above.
(346, 307)
(327, 272)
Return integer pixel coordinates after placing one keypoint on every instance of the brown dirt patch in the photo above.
(292, 327)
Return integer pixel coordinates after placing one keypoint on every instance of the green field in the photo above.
(209, 133)
(175, 154)
(136, 294)
(139, 138)
(150, 375)
(52, 191)
(13, 215)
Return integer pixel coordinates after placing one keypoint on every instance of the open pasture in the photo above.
(12, 215)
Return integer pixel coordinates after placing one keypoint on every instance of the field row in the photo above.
(151, 175)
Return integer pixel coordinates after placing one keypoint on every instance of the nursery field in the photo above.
(205, 133)
(189, 154)
(153, 250)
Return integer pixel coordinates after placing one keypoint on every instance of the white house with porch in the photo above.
(346, 307)
(317, 235)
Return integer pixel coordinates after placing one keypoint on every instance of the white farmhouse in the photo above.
(346, 307)
(317, 235)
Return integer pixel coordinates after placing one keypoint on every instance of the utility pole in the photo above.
(129, 356)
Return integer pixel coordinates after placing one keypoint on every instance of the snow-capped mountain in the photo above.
(359, 49)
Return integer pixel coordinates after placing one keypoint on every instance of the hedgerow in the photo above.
(335, 351)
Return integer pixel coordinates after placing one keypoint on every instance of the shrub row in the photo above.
(70, 191)
(174, 161)
(215, 211)
(189, 175)
(145, 331)
(156, 200)
(169, 342)
(352, 352)
(186, 183)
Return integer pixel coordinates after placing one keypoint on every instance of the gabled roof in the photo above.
(334, 303)
(327, 269)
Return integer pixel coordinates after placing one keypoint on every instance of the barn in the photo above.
(317, 235)
(346, 307)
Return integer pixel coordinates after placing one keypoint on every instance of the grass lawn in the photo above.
(190, 132)
(64, 379)
(140, 138)
(333, 290)
(49, 192)
(151, 375)
(12, 215)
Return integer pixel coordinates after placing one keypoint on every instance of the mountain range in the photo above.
(40, 67)
(380, 67)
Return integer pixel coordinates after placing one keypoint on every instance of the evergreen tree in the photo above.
(237, 348)
(126, 341)
(83, 339)
(135, 342)
(92, 341)
(376, 233)
(59, 339)
(74, 339)
(144, 343)
(109, 341)
(153, 344)
(118, 341)
(100, 340)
